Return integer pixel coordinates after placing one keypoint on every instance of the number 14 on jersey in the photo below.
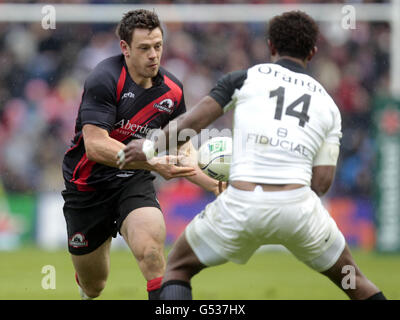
(290, 110)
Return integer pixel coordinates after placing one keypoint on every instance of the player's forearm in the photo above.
(322, 179)
(203, 181)
(189, 159)
(104, 151)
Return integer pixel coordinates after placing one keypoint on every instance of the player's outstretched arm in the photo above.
(189, 159)
(168, 167)
(101, 148)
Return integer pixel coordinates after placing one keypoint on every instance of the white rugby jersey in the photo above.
(281, 118)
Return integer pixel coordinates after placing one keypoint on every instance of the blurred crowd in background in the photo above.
(42, 74)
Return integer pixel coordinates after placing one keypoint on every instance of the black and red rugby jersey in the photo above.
(113, 101)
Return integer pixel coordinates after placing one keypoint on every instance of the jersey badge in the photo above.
(166, 105)
(78, 240)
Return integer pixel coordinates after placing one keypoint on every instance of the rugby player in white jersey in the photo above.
(287, 132)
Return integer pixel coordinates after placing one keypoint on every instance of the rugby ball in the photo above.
(215, 156)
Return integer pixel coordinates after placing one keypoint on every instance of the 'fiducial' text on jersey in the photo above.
(113, 101)
(281, 118)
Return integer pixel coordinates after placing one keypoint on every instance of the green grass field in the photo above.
(268, 275)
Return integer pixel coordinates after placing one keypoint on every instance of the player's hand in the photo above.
(168, 168)
(133, 151)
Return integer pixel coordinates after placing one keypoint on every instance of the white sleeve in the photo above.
(327, 155)
(334, 133)
(328, 152)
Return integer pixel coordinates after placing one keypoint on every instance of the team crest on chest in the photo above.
(166, 105)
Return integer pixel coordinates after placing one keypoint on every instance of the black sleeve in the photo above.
(98, 105)
(225, 87)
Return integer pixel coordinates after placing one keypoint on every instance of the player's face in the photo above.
(145, 52)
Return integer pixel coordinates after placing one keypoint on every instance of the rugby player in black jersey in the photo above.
(124, 97)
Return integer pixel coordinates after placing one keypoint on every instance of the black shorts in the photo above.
(92, 217)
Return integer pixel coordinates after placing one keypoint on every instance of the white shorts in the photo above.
(238, 222)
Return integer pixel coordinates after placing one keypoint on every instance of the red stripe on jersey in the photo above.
(174, 87)
(84, 173)
(149, 111)
(139, 118)
(83, 169)
(77, 167)
(121, 82)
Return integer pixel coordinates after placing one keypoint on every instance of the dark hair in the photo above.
(293, 33)
(137, 19)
